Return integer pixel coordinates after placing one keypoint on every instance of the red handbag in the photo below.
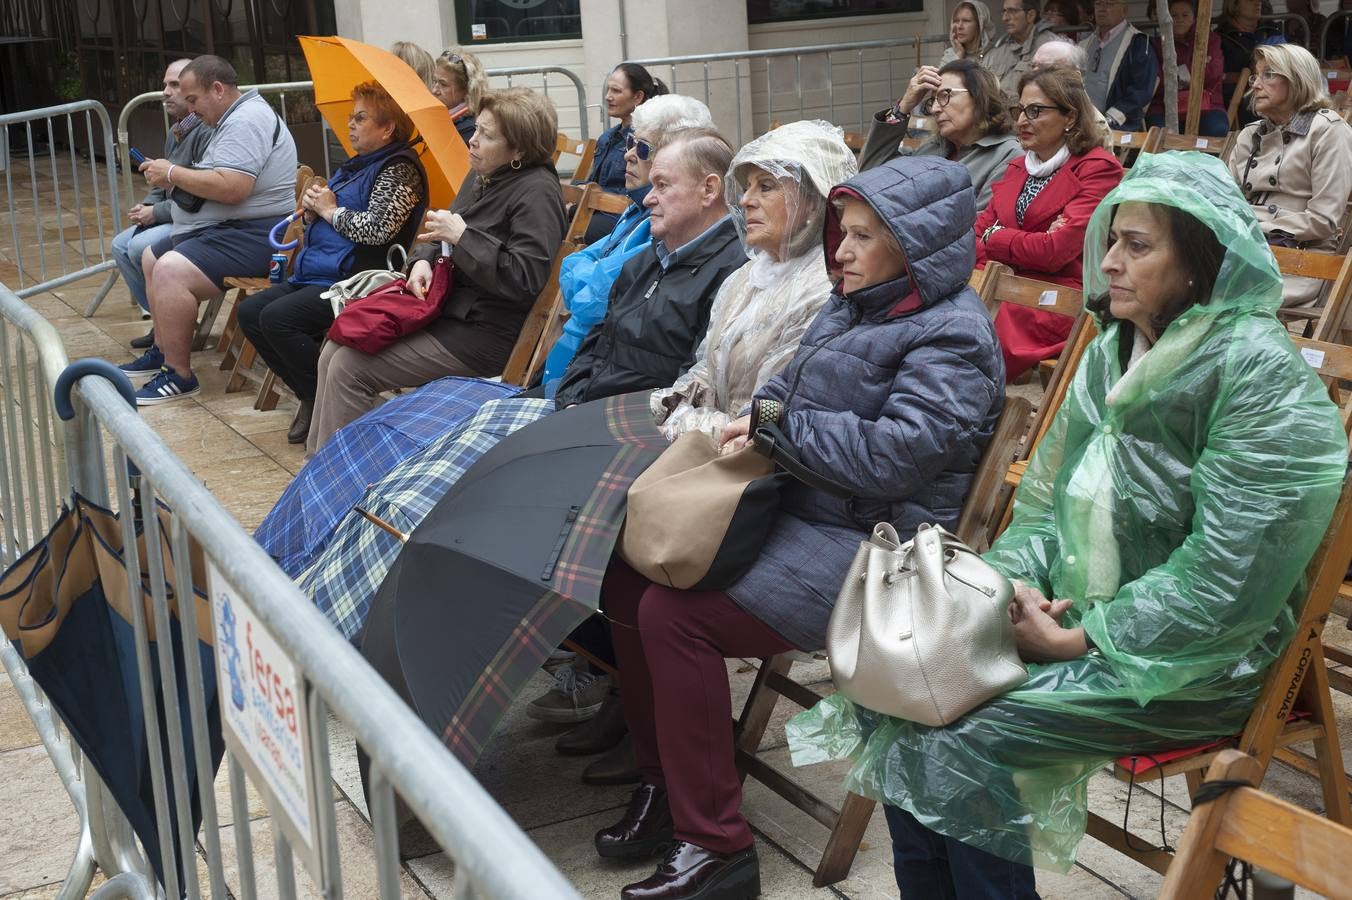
(391, 313)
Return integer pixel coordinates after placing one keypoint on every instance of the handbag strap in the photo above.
(771, 442)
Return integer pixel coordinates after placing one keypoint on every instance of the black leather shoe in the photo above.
(598, 734)
(619, 766)
(300, 425)
(644, 830)
(693, 873)
(144, 342)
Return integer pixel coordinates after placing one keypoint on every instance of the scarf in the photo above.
(1039, 169)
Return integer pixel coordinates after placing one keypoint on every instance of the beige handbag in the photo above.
(921, 630)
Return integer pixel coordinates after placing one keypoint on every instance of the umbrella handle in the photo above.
(79, 369)
(276, 241)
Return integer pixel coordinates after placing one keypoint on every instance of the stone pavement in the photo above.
(242, 455)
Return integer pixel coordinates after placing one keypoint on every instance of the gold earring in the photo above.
(516, 164)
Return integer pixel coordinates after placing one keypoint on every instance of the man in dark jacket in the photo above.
(152, 217)
(659, 304)
(1123, 68)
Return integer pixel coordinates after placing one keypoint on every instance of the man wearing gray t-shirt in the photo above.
(224, 206)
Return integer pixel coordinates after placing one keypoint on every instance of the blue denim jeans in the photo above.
(929, 865)
(128, 245)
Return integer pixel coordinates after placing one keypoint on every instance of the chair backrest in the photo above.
(1254, 826)
(593, 200)
(1127, 144)
(524, 361)
(974, 522)
(583, 150)
(855, 141)
(1162, 140)
(1330, 267)
(1241, 83)
(1333, 364)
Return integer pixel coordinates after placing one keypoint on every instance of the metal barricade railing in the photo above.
(1334, 16)
(40, 460)
(741, 71)
(55, 247)
(281, 89)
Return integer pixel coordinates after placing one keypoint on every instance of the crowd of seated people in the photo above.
(782, 282)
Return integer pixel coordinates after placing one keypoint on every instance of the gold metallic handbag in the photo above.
(921, 630)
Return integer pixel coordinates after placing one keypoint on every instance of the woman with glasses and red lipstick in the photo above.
(1038, 212)
(969, 111)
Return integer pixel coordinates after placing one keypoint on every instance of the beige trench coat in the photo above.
(1298, 179)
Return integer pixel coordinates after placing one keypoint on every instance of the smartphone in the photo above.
(137, 157)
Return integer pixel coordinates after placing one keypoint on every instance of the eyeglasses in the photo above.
(1034, 110)
(642, 149)
(1267, 77)
(941, 98)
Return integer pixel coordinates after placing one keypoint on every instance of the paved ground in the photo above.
(242, 455)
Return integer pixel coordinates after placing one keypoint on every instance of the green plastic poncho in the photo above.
(1177, 507)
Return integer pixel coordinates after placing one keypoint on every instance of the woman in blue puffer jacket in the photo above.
(894, 392)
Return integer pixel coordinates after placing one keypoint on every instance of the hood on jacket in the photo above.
(983, 23)
(808, 158)
(928, 204)
(1200, 185)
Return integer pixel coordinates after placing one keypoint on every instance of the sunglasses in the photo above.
(642, 149)
(453, 58)
(940, 99)
(1033, 110)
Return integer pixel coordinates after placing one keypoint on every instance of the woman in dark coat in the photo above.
(894, 392)
(502, 232)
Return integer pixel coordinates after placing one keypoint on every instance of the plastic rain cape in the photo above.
(763, 309)
(1177, 507)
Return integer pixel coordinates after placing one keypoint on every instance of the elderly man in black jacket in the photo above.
(659, 304)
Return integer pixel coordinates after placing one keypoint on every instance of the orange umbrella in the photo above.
(339, 64)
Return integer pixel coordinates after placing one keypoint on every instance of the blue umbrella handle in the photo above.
(79, 369)
(276, 241)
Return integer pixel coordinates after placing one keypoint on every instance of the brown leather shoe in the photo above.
(644, 830)
(598, 734)
(300, 425)
(693, 873)
(619, 766)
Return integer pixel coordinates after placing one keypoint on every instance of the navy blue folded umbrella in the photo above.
(66, 605)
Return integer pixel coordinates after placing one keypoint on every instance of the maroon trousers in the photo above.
(670, 645)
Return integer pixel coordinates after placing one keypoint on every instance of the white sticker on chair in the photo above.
(1126, 138)
(1312, 356)
(1202, 144)
(1047, 298)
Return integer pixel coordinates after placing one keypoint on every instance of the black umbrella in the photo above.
(65, 605)
(506, 565)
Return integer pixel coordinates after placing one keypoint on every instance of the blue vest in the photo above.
(328, 256)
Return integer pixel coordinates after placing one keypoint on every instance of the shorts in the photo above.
(231, 249)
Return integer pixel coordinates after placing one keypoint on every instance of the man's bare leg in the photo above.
(175, 287)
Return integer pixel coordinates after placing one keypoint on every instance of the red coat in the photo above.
(1212, 76)
(1026, 335)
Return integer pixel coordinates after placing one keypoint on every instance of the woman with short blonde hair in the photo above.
(418, 59)
(460, 83)
(1294, 164)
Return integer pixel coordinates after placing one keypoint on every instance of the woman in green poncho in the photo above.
(1170, 512)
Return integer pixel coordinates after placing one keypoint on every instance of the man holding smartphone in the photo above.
(152, 218)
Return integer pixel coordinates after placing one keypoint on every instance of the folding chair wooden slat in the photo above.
(1240, 81)
(1249, 824)
(848, 822)
(1322, 322)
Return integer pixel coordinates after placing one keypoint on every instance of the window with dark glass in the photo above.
(500, 21)
(760, 11)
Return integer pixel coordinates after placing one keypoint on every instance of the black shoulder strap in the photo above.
(771, 442)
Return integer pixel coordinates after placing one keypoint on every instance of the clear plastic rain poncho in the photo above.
(763, 309)
(1177, 506)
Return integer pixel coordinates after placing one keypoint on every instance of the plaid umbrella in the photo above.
(506, 565)
(302, 522)
(344, 578)
(66, 606)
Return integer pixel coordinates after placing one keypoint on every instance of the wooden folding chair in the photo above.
(593, 200)
(1293, 708)
(1251, 825)
(238, 354)
(1322, 322)
(1240, 80)
(1127, 145)
(1162, 141)
(583, 150)
(848, 822)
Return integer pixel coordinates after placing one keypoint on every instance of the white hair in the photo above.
(1066, 54)
(670, 112)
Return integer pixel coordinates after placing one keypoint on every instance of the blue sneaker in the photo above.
(146, 365)
(166, 387)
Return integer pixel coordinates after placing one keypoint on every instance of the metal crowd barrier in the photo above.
(55, 247)
(281, 89)
(711, 72)
(40, 461)
(1328, 25)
